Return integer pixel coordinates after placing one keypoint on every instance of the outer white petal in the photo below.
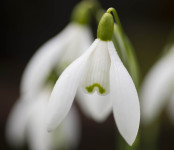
(44, 60)
(170, 108)
(125, 99)
(17, 123)
(38, 137)
(156, 88)
(65, 89)
(95, 106)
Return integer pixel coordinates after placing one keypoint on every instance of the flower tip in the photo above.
(132, 139)
(130, 142)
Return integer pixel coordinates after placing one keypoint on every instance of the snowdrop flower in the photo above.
(59, 51)
(102, 79)
(27, 124)
(158, 89)
(100, 111)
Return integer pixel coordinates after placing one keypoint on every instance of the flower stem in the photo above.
(117, 20)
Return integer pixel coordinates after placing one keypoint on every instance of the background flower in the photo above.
(56, 54)
(158, 88)
(26, 124)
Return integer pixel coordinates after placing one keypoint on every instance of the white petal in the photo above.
(156, 88)
(170, 108)
(76, 47)
(125, 99)
(86, 39)
(38, 137)
(65, 89)
(44, 60)
(95, 106)
(96, 76)
(81, 41)
(17, 123)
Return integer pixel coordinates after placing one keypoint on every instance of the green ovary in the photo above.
(91, 88)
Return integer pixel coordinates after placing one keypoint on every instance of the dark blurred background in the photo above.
(27, 24)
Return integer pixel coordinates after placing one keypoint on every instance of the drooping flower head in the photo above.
(59, 51)
(99, 76)
(158, 89)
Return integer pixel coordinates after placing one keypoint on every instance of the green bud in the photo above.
(81, 13)
(106, 27)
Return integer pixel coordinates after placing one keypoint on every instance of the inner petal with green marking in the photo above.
(90, 89)
(96, 77)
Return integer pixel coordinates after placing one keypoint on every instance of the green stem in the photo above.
(115, 15)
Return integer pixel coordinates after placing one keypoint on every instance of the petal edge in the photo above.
(125, 98)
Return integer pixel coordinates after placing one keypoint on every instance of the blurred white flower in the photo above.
(26, 124)
(57, 53)
(26, 121)
(98, 70)
(157, 90)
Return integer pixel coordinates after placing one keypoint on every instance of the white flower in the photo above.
(158, 89)
(100, 76)
(62, 50)
(27, 124)
(27, 117)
